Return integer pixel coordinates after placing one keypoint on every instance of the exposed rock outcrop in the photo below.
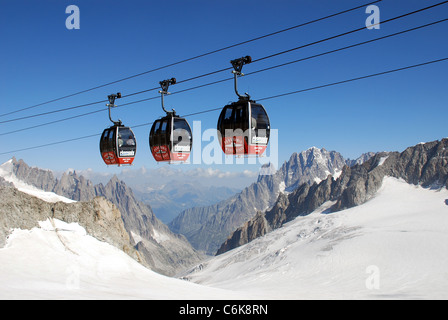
(99, 217)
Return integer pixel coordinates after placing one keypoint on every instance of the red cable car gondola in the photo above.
(170, 138)
(118, 145)
(243, 126)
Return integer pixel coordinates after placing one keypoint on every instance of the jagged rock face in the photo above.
(77, 188)
(41, 179)
(206, 228)
(99, 217)
(4, 183)
(424, 164)
(310, 166)
(160, 249)
(363, 158)
(256, 227)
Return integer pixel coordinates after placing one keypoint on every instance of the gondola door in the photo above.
(181, 140)
(259, 133)
(233, 129)
(126, 146)
(106, 147)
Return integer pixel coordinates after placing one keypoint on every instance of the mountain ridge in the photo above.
(162, 250)
(424, 164)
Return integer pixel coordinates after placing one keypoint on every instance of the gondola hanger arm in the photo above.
(165, 84)
(111, 104)
(238, 68)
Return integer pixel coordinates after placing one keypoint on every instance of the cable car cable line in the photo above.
(195, 57)
(225, 69)
(347, 47)
(349, 32)
(262, 99)
(355, 79)
(228, 79)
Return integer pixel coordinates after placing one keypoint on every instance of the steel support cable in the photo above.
(228, 79)
(194, 58)
(221, 70)
(263, 99)
(349, 32)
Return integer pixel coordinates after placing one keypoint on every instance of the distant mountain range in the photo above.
(208, 227)
(170, 199)
(425, 164)
(168, 190)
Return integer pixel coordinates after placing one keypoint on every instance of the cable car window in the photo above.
(105, 138)
(154, 136)
(181, 135)
(241, 118)
(126, 138)
(111, 141)
(163, 134)
(260, 117)
(156, 127)
(181, 124)
(130, 140)
(164, 125)
(228, 118)
(104, 143)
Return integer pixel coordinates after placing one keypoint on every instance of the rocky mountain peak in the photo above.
(115, 180)
(267, 169)
(360, 160)
(41, 179)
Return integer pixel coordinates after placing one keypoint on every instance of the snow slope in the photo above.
(7, 173)
(393, 247)
(68, 264)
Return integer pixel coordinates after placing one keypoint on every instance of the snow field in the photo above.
(36, 264)
(393, 247)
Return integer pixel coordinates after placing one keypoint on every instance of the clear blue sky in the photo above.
(40, 59)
